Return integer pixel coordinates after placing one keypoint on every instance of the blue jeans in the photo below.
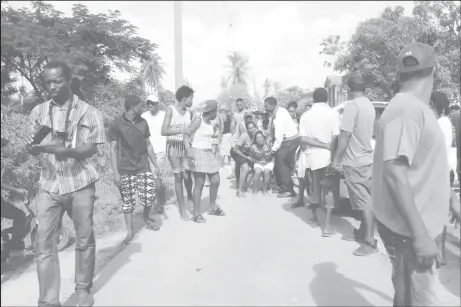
(79, 206)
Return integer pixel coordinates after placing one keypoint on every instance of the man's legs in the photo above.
(18, 230)
(145, 184)
(315, 200)
(81, 213)
(283, 161)
(128, 193)
(358, 181)
(49, 279)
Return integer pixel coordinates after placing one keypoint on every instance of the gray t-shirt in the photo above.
(408, 128)
(358, 118)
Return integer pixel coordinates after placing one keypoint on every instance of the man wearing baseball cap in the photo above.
(154, 117)
(410, 183)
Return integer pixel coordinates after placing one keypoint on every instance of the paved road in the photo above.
(261, 253)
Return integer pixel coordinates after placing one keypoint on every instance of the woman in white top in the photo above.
(176, 123)
(201, 158)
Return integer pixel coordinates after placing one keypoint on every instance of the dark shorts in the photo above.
(358, 181)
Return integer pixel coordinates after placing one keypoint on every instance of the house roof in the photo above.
(335, 80)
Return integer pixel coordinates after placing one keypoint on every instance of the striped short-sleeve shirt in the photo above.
(86, 126)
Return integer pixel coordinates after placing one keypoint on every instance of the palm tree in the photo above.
(277, 86)
(223, 84)
(238, 68)
(152, 72)
(267, 87)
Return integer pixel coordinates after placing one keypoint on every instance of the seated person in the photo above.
(9, 211)
(263, 159)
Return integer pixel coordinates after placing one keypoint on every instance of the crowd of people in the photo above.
(402, 185)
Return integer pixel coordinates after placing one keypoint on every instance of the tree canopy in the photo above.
(93, 44)
(376, 43)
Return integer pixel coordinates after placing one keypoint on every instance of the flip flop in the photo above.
(366, 249)
(198, 219)
(217, 212)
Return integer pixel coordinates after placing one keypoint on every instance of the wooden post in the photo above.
(178, 44)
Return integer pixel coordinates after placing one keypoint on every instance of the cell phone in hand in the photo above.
(41, 134)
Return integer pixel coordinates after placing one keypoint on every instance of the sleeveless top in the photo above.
(203, 137)
(178, 121)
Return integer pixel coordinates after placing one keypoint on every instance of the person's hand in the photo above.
(117, 179)
(158, 172)
(185, 130)
(189, 152)
(427, 253)
(215, 148)
(250, 159)
(332, 168)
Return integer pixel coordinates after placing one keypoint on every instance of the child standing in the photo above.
(263, 162)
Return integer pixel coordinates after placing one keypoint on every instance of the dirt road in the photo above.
(260, 253)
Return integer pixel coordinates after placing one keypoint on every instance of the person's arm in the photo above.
(346, 127)
(151, 153)
(400, 141)
(304, 140)
(241, 141)
(196, 122)
(233, 124)
(396, 179)
(91, 133)
(166, 124)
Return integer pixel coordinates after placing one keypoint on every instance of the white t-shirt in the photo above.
(320, 123)
(155, 123)
(447, 130)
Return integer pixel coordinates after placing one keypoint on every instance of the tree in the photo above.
(92, 44)
(238, 68)
(376, 42)
(293, 93)
(229, 96)
(152, 72)
(277, 86)
(267, 85)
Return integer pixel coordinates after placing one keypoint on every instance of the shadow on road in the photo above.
(331, 288)
(123, 257)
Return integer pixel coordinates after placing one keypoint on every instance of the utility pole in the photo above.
(178, 44)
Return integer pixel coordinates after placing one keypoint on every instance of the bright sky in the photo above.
(280, 38)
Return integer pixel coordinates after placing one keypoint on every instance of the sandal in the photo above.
(217, 212)
(198, 219)
(153, 227)
(367, 248)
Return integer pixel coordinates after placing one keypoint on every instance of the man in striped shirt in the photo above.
(67, 182)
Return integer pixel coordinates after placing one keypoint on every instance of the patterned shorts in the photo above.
(144, 184)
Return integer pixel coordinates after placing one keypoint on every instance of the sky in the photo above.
(281, 38)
